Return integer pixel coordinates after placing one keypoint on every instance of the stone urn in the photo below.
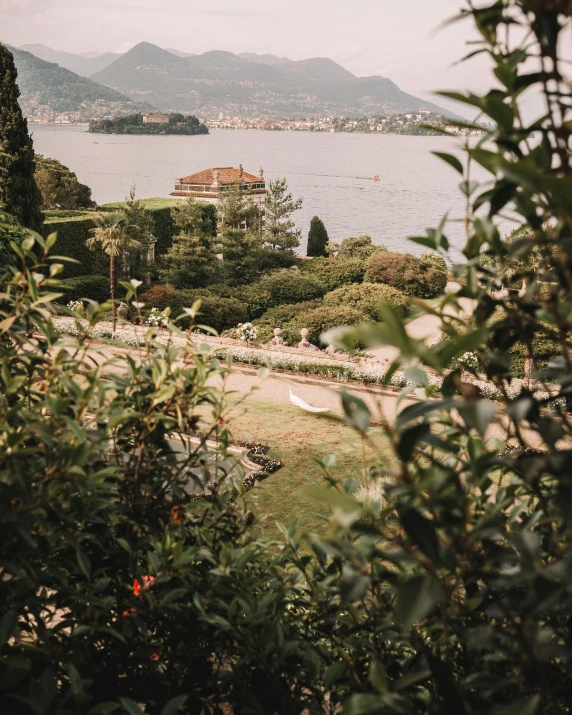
(277, 339)
(123, 312)
(304, 343)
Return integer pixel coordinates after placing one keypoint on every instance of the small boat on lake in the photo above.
(376, 178)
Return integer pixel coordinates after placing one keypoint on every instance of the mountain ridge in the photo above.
(48, 91)
(219, 81)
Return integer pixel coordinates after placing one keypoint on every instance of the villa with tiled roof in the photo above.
(210, 184)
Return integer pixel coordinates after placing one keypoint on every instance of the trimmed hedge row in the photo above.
(335, 272)
(90, 287)
(74, 227)
(73, 232)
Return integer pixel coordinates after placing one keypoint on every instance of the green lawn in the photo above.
(298, 440)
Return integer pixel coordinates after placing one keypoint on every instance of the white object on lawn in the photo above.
(299, 402)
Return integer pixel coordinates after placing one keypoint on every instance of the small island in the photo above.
(149, 124)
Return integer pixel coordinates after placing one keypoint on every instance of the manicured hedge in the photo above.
(290, 286)
(367, 297)
(255, 296)
(73, 229)
(73, 232)
(90, 287)
(335, 272)
(422, 276)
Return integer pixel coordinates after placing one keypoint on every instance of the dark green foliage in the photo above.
(424, 277)
(90, 287)
(367, 297)
(133, 124)
(244, 256)
(442, 583)
(19, 195)
(291, 286)
(279, 228)
(72, 233)
(317, 239)
(73, 229)
(335, 272)
(60, 187)
(255, 296)
(10, 231)
(190, 263)
(216, 312)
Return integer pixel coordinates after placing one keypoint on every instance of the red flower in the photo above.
(147, 581)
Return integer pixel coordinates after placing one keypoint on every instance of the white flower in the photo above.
(135, 304)
(135, 283)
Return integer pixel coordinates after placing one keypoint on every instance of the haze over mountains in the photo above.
(247, 84)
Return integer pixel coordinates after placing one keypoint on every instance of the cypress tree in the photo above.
(317, 238)
(19, 194)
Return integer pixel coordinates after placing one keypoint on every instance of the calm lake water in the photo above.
(331, 172)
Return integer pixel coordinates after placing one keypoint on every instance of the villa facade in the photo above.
(209, 185)
(155, 119)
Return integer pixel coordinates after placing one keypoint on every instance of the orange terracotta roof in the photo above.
(227, 175)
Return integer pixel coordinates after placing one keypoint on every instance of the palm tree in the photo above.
(112, 235)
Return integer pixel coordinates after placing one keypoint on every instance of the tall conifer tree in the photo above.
(317, 238)
(19, 194)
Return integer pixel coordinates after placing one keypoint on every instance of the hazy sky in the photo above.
(393, 38)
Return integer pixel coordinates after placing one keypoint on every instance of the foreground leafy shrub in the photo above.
(424, 277)
(90, 287)
(367, 298)
(335, 272)
(291, 286)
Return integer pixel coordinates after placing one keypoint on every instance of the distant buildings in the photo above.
(155, 119)
(210, 184)
(420, 122)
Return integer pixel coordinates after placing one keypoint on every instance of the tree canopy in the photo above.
(19, 194)
(317, 238)
(60, 187)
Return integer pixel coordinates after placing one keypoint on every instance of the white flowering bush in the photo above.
(246, 332)
(75, 305)
(468, 361)
(157, 318)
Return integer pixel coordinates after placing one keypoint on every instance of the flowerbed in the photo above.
(368, 374)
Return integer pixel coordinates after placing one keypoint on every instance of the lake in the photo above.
(332, 173)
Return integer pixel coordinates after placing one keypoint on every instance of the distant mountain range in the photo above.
(251, 85)
(50, 92)
(247, 84)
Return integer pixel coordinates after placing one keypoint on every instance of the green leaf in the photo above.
(83, 563)
(363, 704)
(8, 626)
(477, 414)
(416, 597)
(174, 704)
(451, 160)
(131, 707)
(164, 394)
(357, 412)
(528, 706)
(378, 677)
(423, 534)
